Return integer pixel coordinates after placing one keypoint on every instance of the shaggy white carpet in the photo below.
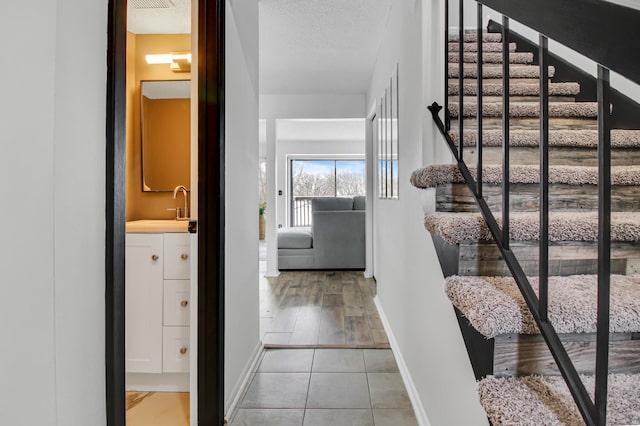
(495, 71)
(495, 306)
(472, 36)
(492, 57)
(557, 138)
(515, 89)
(432, 176)
(542, 401)
(528, 109)
(524, 226)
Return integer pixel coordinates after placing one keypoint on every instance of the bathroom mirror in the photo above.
(165, 128)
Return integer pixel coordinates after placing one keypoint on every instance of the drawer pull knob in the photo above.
(183, 351)
(184, 303)
(154, 257)
(184, 256)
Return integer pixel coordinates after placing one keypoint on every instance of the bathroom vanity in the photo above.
(157, 305)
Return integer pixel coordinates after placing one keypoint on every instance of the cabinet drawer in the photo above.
(176, 256)
(176, 302)
(175, 349)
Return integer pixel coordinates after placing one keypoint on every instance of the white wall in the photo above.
(410, 281)
(52, 163)
(241, 234)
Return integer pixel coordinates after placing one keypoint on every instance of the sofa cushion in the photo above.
(295, 238)
(331, 204)
(359, 202)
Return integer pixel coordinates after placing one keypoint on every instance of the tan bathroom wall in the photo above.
(148, 205)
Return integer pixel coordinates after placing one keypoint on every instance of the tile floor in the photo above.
(313, 387)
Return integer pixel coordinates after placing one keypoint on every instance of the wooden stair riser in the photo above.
(565, 258)
(529, 123)
(521, 355)
(557, 156)
(457, 197)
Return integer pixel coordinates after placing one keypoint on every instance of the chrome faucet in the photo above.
(185, 212)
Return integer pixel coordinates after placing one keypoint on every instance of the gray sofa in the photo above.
(336, 239)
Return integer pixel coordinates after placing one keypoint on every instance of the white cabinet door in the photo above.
(175, 350)
(143, 303)
(176, 302)
(176, 261)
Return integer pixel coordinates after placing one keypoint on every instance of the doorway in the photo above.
(210, 212)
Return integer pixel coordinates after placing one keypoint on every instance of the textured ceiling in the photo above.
(172, 20)
(319, 46)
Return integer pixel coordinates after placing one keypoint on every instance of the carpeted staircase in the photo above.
(519, 383)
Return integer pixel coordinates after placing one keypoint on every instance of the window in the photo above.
(323, 178)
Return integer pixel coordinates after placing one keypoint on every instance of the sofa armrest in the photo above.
(339, 239)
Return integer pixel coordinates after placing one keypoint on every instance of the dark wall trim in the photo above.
(602, 31)
(211, 218)
(115, 212)
(625, 110)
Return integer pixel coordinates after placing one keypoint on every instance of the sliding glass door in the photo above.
(323, 178)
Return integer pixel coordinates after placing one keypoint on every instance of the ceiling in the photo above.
(171, 20)
(319, 46)
(306, 46)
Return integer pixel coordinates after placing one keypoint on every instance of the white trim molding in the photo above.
(418, 408)
(245, 379)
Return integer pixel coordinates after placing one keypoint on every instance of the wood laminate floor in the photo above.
(320, 309)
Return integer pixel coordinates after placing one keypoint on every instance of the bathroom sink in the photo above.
(156, 226)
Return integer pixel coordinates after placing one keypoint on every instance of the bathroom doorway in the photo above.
(158, 372)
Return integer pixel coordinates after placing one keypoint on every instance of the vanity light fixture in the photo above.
(178, 62)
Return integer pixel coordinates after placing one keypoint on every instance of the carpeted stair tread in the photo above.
(455, 228)
(516, 89)
(528, 109)
(431, 176)
(472, 37)
(492, 57)
(495, 71)
(545, 401)
(557, 138)
(494, 305)
(486, 47)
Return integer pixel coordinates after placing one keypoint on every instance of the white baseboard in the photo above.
(272, 274)
(418, 408)
(158, 382)
(243, 382)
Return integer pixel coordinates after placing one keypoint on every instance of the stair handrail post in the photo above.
(460, 81)
(604, 243)
(543, 285)
(447, 116)
(479, 61)
(505, 131)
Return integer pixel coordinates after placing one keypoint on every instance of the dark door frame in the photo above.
(211, 80)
